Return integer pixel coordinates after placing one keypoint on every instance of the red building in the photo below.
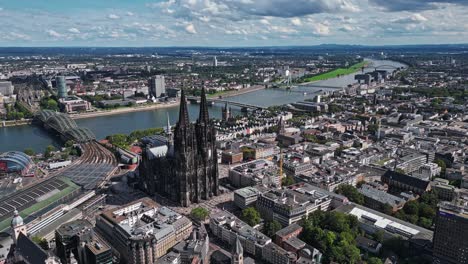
(286, 233)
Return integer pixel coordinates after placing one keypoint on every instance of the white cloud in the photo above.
(205, 19)
(223, 22)
(190, 28)
(74, 30)
(15, 36)
(248, 9)
(282, 29)
(414, 18)
(53, 33)
(1, 9)
(113, 16)
(347, 28)
(320, 29)
(296, 21)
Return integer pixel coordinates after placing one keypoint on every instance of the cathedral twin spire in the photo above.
(183, 111)
(203, 117)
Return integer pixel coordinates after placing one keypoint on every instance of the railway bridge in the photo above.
(64, 126)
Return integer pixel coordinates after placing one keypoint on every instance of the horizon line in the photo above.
(253, 46)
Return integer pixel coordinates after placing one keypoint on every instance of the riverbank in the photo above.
(124, 110)
(22, 137)
(231, 93)
(336, 73)
(148, 107)
(226, 94)
(12, 123)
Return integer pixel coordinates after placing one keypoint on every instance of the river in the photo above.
(22, 137)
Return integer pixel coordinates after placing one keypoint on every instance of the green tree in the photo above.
(334, 234)
(411, 207)
(48, 151)
(200, 213)
(374, 260)
(338, 151)
(65, 155)
(69, 143)
(351, 192)
(29, 152)
(251, 216)
(334, 108)
(42, 242)
(272, 227)
(119, 140)
(429, 198)
(74, 152)
(372, 128)
(443, 167)
(400, 171)
(288, 180)
(379, 236)
(49, 103)
(427, 211)
(425, 222)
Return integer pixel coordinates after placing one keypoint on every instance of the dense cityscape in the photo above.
(273, 154)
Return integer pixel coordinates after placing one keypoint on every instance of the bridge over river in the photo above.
(244, 106)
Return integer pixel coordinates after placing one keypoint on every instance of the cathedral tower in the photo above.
(186, 170)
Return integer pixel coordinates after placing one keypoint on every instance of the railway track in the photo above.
(95, 153)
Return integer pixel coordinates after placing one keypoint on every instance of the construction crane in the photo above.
(281, 168)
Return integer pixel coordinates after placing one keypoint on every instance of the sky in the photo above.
(231, 23)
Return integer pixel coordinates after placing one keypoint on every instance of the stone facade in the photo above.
(188, 171)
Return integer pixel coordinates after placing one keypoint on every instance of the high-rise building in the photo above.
(156, 86)
(215, 62)
(61, 84)
(6, 88)
(451, 234)
(184, 168)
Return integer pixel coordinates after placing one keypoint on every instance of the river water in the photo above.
(22, 137)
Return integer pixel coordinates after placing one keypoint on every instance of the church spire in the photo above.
(183, 111)
(237, 256)
(203, 117)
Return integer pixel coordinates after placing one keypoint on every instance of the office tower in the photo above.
(156, 86)
(6, 88)
(451, 234)
(61, 84)
(184, 169)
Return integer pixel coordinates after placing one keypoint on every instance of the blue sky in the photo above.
(231, 22)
